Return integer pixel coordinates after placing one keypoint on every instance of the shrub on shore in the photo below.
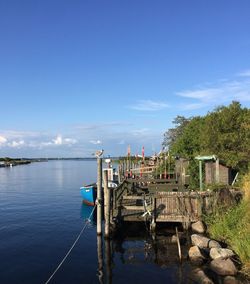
(233, 226)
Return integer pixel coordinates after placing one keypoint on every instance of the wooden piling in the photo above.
(153, 221)
(217, 171)
(106, 204)
(99, 196)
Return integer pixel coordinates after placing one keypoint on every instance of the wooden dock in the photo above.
(149, 198)
(158, 200)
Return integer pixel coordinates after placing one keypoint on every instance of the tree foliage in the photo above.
(227, 134)
(224, 132)
(172, 134)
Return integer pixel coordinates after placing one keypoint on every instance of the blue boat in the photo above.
(88, 193)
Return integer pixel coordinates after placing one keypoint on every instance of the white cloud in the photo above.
(245, 73)
(95, 142)
(16, 144)
(191, 106)
(149, 105)
(203, 94)
(220, 93)
(58, 140)
(42, 144)
(69, 141)
(3, 140)
(140, 132)
(14, 134)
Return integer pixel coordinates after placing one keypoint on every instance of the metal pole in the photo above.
(200, 173)
(106, 204)
(99, 196)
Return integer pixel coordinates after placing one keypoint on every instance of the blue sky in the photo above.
(76, 76)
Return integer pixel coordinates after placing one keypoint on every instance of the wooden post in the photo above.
(106, 204)
(119, 174)
(153, 223)
(217, 171)
(178, 243)
(99, 196)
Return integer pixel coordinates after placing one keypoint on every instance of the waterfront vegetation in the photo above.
(224, 132)
(6, 161)
(233, 225)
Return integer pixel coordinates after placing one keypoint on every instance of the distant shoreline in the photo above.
(51, 159)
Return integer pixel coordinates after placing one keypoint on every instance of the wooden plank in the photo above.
(133, 207)
(151, 180)
(134, 197)
(143, 169)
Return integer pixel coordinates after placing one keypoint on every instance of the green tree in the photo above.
(189, 143)
(227, 131)
(172, 134)
(224, 132)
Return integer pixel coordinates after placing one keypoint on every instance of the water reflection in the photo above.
(85, 212)
(137, 245)
(137, 255)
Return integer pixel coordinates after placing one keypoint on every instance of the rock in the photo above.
(230, 280)
(195, 255)
(200, 277)
(203, 242)
(220, 252)
(223, 267)
(200, 241)
(213, 244)
(198, 227)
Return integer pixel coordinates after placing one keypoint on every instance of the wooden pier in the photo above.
(158, 200)
(148, 198)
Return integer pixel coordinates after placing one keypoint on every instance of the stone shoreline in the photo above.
(215, 264)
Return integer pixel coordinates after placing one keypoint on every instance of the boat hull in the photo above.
(88, 194)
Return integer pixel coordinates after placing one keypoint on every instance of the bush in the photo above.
(233, 225)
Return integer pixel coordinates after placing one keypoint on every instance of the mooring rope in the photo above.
(69, 251)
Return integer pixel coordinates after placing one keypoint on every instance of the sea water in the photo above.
(41, 214)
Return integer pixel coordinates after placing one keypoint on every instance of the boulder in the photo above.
(223, 267)
(200, 241)
(213, 244)
(195, 255)
(230, 280)
(200, 277)
(220, 253)
(198, 227)
(204, 242)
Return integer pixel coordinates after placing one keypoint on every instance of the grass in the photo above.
(232, 226)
